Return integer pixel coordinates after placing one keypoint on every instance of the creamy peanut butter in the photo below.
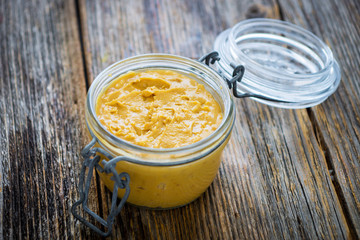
(158, 109)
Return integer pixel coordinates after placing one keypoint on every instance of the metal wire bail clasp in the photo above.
(122, 180)
(237, 76)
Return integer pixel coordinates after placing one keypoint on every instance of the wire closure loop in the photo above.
(237, 76)
(122, 180)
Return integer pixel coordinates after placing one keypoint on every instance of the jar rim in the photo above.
(96, 128)
(281, 24)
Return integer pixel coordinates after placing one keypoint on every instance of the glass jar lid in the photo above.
(282, 61)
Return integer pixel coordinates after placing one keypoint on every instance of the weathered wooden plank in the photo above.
(337, 120)
(273, 182)
(42, 95)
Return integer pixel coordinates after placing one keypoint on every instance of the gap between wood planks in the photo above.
(338, 191)
(87, 83)
(81, 33)
(319, 136)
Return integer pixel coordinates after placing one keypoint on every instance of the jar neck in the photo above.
(211, 80)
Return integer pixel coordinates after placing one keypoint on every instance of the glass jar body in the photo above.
(164, 178)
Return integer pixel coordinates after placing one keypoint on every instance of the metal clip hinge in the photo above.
(237, 76)
(121, 181)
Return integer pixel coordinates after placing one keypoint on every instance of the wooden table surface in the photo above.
(285, 173)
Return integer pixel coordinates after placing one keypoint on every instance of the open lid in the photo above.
(282, 61)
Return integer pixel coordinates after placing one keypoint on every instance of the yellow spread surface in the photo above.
(158, 109)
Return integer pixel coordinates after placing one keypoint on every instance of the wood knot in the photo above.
(258, 11)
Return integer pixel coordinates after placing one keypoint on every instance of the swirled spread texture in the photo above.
(158, 109)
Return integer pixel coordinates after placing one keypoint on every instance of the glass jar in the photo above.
(172, 177)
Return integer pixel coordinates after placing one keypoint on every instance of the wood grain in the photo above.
(42, 89)
(337, 120)
(285, 173)
(273, 182)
